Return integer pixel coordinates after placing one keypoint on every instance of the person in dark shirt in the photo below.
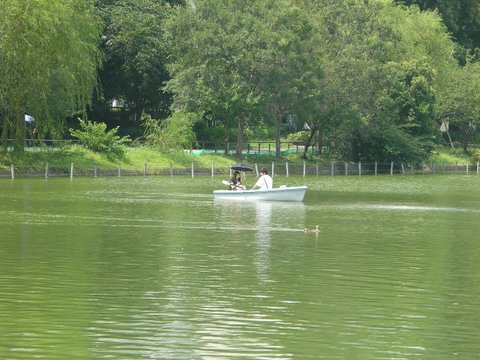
(236, 181)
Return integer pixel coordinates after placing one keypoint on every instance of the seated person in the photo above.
(264, 182)
(236, 181)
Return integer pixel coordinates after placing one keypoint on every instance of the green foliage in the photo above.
(94, 136)
(48, 63)
(460, 103)
(393, 144)
(462, 18)
(234, 59)
(260, 132)
(218, 134)
(449, 156)
(367, 76)
(300, 137)
(174, 133)
(215, 134)
(384, 65)
(412, 96)
(135, 54)
(476, 155)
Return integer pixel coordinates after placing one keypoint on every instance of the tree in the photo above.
(174, 133)
(48, 62)
(289, 77)
(135, 55)
(236, 58)
(383, 66)
(460, 103)
(462, 18)
(213, 51)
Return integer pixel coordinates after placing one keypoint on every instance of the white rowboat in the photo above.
(294, 193)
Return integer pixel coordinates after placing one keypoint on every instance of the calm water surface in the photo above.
(154, 268)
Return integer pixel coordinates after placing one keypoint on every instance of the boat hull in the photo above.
(295, 193)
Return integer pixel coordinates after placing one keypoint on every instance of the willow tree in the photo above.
(48, 62)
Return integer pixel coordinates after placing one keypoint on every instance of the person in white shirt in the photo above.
(264, 182)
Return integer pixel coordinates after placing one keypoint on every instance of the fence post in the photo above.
(332, 170)
(286, 168)
(71, 171)
(46, 170)
(12, 172)
(433, 167)
(423, 168)
(359, 168)
(273, 168)
(478, 167)
(391, 168)
(304, 169)
(213, 169)
(256, 170)
(95, 171)
(119, 170)
(403, 169)
(376, 168)
(193, 171)
(171, 169)
(145, 169)
(316, 169)
(346, 169)
(467, 167)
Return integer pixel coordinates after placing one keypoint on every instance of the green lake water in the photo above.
(154, 268)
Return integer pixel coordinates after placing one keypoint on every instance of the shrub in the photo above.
(300, 137)
(174, 133)
(476, 155)
(94, 136)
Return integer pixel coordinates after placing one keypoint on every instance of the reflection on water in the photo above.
(263, 238)
(392, 207)
(128, 270)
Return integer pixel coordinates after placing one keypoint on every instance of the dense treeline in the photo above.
(374, 80)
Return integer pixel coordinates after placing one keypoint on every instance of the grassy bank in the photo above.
(136, 158)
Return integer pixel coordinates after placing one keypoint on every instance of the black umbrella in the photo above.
(241, 167)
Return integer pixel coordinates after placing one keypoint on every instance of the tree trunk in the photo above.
(5, 129)
(308, 143)
(227, 139)
(465, 142)
(19, 140)
(241, 127)
(319, 139)
(278, 148)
